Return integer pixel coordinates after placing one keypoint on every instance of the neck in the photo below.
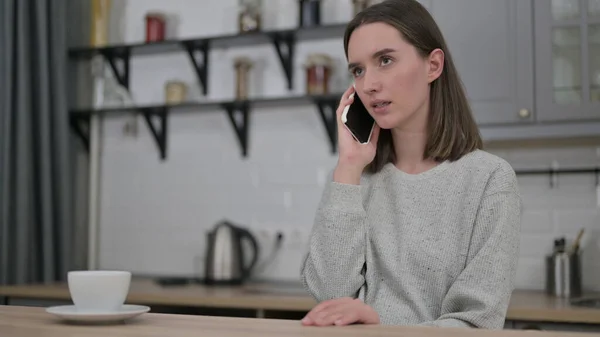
(409, 147)
(409, 144)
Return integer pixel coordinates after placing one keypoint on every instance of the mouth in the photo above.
(379, 104)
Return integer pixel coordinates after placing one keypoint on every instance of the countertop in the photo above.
(35, 322)
(532, 306)
(256, 296)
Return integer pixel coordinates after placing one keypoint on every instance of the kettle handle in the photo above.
(244, 233)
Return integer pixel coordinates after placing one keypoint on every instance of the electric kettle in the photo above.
(226, 259)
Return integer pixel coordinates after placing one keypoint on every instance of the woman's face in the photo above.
(391, 78)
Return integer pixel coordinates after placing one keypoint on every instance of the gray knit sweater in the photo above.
(438, 248)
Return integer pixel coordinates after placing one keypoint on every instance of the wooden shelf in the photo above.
(198, 49)
(326, 106)
(216, 41)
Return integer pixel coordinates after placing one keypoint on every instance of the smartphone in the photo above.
(358, 120)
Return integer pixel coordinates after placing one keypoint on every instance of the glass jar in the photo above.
(242, 69)
(100, 20)
(175, 92)
(310, 13)
(318, 73)
(360, 5)
(250, 15)
(155, 27)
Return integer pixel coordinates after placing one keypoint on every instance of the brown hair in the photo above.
(452, 130)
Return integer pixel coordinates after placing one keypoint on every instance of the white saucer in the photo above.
(70, 313)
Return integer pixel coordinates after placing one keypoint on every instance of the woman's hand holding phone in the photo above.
(353, 156)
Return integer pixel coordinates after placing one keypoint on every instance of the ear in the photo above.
(436, 64)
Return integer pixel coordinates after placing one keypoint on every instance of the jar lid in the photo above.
(319, 60)
(251, 3)
(243, 61)
(175, 82)
(156, 14)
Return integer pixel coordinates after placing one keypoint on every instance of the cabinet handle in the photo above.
(524, 113)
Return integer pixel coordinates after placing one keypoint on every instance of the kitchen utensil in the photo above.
(226, 259)
(563, 272)
(577, 242)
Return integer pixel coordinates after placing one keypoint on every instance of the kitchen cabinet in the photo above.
(567, 61)
(491, 42)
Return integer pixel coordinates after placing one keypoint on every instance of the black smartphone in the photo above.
(358, 120)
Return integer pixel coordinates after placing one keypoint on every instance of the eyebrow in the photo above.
(375, 55)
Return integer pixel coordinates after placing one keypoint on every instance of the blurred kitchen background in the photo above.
(147, 197)
(534, 92)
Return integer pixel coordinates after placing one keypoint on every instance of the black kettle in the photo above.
(226, 259)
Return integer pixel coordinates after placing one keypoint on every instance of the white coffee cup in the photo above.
(98, 290)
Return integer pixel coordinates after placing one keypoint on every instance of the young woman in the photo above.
(420, 226)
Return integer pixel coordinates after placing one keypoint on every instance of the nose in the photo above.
(371, 82)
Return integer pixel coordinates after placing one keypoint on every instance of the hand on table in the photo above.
(341, 311)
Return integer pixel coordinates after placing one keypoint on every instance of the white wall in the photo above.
(154, 214)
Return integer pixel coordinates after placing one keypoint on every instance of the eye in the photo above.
(386, 60)
(356, 72)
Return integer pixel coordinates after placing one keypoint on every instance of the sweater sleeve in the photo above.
(335, 262)
(480, 295)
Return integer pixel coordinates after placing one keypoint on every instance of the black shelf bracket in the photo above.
(284, 44)
(159, 133)
(327, 108)
(81, 125)
(239, 116)
(115, 55)
(200, 66)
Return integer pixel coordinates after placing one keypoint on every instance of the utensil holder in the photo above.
(563, 275)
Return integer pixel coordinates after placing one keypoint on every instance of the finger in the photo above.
(322, 306)
(350, 316)
(340, 110)
(307, 321)
(333, 312)
(312, 314)
(315, 318)
(346, 100)
(328, 319)
(310, 317)
(347, 93)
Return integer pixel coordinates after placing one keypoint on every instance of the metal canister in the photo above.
(563, 274)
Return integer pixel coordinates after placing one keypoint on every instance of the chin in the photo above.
(387, 123)
(394, 119)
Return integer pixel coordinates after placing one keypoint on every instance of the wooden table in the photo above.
(35, 322)
(525, 306)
